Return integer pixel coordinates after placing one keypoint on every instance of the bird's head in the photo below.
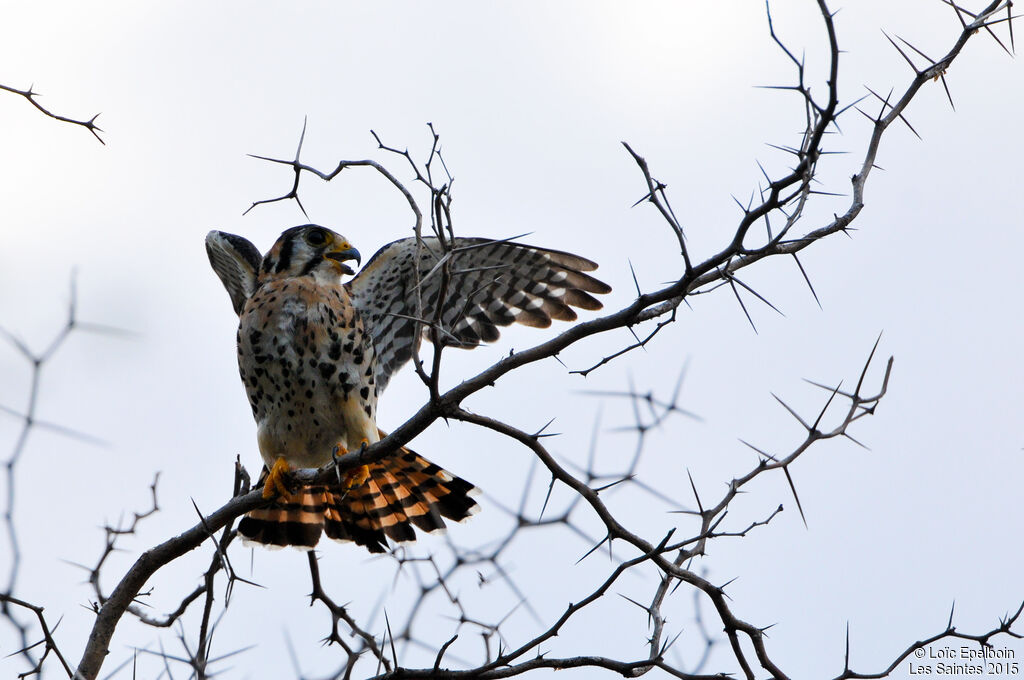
(309, 250)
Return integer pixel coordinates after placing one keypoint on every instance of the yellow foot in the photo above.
(275, 482)
(356, 476)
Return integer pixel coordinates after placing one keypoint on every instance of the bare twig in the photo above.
(33, 98)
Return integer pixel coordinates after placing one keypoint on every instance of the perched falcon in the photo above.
(315, 354)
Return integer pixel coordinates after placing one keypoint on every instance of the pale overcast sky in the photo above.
(532, 101)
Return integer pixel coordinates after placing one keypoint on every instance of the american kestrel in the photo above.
(315, 354)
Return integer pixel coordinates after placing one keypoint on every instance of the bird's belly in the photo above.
(309, 381)
(303, 417)
(305, 432)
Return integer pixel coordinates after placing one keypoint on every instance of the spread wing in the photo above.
(489, 284)
(236, 261)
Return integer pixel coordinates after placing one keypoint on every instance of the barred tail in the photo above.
(402, 491)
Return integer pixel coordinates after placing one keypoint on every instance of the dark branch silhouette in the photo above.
(379, 646)
(33, 98)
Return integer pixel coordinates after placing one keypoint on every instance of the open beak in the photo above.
(343, 253)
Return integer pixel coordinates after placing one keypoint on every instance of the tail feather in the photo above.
(420, 507)
(446, 494)
(402, 491)
(393, 519)
(349, 516)
(286, 523)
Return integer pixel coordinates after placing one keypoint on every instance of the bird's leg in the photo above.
(275, 480)
(356, 476)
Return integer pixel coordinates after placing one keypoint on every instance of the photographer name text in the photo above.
(964, 660)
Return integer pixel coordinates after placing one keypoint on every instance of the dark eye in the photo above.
(316, 237)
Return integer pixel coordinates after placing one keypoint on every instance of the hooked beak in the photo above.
(342, 253)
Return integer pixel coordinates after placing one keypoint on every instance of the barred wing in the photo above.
(490, 284)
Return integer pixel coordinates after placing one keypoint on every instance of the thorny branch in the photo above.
(33, 98)
(782, 203)
(29, 422)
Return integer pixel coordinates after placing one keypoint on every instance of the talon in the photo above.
(275, 480)
(338, 452)
(356, 476)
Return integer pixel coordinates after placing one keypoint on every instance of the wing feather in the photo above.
(236, 261)
(478, 285)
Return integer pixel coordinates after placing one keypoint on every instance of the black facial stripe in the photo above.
(311, 265)
(286, 254)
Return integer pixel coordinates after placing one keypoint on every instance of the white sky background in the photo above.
(531, 103)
